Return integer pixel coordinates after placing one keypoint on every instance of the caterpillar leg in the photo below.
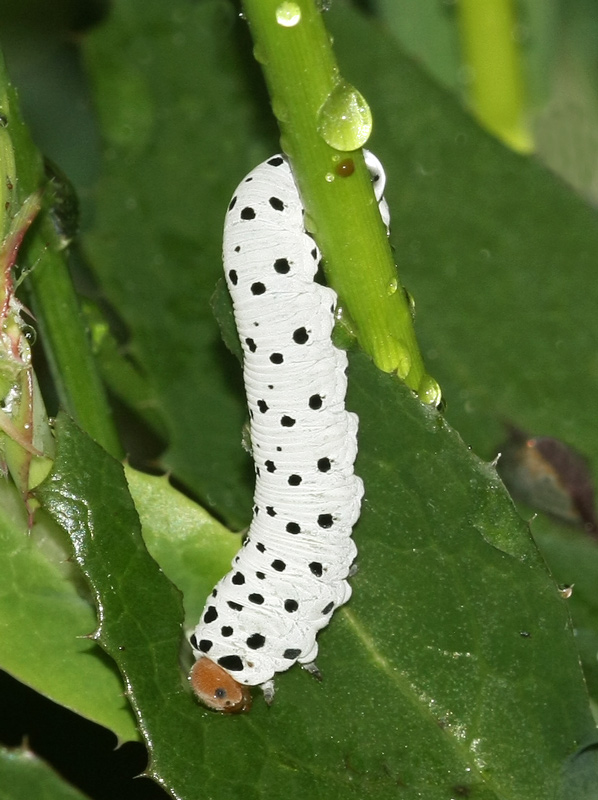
(313, 670)
(269, 690)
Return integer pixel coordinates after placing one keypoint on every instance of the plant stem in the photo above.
(66, 342)
(295, 52)
(492, 56)
(54, 302)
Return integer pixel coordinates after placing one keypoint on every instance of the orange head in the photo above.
(217, 689)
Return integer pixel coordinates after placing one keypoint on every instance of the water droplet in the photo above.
(345, 119)
(310, 224)
(345, 168)
(329, 177)
(288, 14)
(258, 54)
(3, 121)
(343, 334)
(402, 361)
(392, 287)
(429, 391)
(410, 302)
(280, 111)
(29, 333)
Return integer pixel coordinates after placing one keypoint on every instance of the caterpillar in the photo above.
(291, 572)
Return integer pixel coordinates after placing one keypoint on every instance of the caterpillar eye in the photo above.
(220, 693)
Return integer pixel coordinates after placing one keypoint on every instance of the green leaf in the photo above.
(43, 598)
(498, 254)
(171, 92)
(573, 557)
(46, 620)
(449, 642)
(140, 611)
(222, 306)
(51, 292)
(475, 622)
(429, 32)
(23, 776)
(496, 251)
(192, 548)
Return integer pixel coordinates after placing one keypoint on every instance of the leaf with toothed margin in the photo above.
(140, 611)
(448, 644)
(46, 618)
(43, 596)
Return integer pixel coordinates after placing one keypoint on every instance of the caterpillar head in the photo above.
(217, 689)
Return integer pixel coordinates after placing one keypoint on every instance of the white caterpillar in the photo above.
(290, 574)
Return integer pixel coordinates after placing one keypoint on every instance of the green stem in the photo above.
(309, 98)
(121, 375)
(65, 338)
(492, 56)
(54, 302)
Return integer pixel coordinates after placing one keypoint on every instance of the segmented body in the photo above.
(291, 573)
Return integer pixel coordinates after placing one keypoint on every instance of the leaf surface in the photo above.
(46, 619)
(453, 636)
(23, 776)
(171, 94)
